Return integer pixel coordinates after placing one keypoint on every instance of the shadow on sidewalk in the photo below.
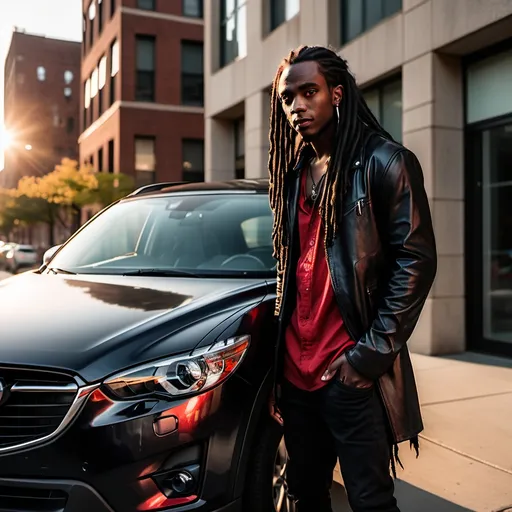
(477, 358)
(410, 499)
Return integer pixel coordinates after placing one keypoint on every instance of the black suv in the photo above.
(135, 363)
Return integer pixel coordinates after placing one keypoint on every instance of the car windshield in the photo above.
(197, 235)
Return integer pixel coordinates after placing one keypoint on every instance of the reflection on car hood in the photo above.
(95, 325)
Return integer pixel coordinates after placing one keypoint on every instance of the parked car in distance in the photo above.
(16, 257)
(135, 364)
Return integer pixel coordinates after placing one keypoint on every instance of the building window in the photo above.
(100, 160)
(240, 148)
(282, 10)
(111, 156)
(100, 17)
(193, 8)
(84, 35)
(94, 83)
(70, 126)
(114, 50)
(92, 15)
(385, 102)
(233, 30)
(145, 161)
(87, 93)
(145, 74)
(114, 59)
(193, 160)
(68, 77)
(92, 10)
(358, 16)
(41, 73)
(192, 74)
(102, 80)
(147, 5)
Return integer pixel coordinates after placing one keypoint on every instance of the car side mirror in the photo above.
(48, 255)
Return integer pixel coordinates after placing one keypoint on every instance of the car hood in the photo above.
(95, 325)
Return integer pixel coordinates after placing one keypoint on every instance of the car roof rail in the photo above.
(155, 187)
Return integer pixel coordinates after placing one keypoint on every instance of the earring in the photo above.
(338, 112)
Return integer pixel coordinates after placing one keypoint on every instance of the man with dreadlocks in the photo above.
(356, 258)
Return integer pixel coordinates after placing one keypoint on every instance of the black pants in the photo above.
(337, 421)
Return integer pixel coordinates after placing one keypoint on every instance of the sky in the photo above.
(61, 19)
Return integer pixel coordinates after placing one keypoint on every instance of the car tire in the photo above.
(260, 492)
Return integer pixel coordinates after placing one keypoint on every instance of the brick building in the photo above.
(42, 102)
(142, 88)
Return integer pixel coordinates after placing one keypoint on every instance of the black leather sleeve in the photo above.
(405, 216)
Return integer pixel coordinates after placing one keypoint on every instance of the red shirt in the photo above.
(316, 334)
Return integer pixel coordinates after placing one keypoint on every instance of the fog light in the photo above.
(182, 482)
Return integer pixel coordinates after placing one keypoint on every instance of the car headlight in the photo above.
(182, 375)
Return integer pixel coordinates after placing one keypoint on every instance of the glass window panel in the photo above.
(488, 88)
(145, 53)
(352, 19)
(392, 109)
(277, 13)
(92, 10)
(497, 233)
(193, 160)
(94, 83)
(115, 59)
(373, 13)
(241, 31)
(147, 5)
(233, 30)
(193, 8)
(372, 98)
(87, 94)
(103, 72)
(292, 8)
(392, 7)
(145, 154)
(192, 58)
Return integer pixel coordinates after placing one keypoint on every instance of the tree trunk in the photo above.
(51, 227)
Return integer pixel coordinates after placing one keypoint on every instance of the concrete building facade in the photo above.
(41, 105)
(142, 89)
(438, 75)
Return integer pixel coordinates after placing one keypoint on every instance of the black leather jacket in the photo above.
(382, 263)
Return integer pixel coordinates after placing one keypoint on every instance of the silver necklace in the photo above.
(315, 187)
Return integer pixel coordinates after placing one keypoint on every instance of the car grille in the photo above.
(21, 499)
(33, 405)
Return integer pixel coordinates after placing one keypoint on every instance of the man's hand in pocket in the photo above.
(347, 374)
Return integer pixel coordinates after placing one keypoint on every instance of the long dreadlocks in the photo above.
(286, 147)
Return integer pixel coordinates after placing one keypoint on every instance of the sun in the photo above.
(6, 139)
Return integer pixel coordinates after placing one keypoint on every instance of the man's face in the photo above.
(307, 100)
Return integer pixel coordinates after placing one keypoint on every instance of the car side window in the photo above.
(257, 231)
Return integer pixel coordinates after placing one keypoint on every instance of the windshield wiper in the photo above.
(160, 272)
(56, 270)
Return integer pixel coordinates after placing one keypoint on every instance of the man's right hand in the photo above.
(273, 409)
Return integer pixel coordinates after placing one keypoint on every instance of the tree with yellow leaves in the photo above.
(58, 196)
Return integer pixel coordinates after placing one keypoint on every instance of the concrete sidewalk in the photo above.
(465, 461)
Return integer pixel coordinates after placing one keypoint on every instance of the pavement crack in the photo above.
(466, 455)
(463, 399)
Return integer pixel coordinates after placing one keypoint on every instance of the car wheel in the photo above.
(266, 488)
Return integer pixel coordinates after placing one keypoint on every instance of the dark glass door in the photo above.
(489, 238)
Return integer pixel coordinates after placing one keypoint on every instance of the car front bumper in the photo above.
(109, 461)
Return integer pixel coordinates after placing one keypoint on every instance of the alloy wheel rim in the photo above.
(282, 502)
